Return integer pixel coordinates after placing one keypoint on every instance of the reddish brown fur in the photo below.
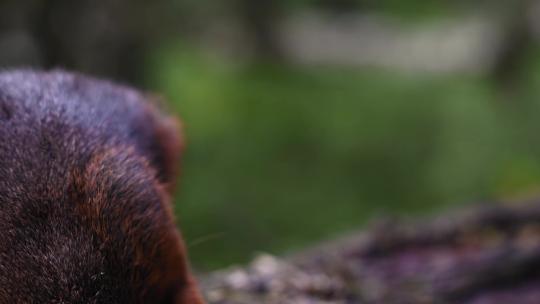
(85, 193)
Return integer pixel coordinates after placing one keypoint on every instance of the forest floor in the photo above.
(486, 255)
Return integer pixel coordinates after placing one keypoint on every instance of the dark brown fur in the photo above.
(86, 174)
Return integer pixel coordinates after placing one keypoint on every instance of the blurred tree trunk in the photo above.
(52, 53)
(518, 39)
(343, 6)
(104, 38)
(260, 20)
(94, 38)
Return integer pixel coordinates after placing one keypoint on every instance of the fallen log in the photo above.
(487, 255)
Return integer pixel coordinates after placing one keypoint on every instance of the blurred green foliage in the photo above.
(280, 157)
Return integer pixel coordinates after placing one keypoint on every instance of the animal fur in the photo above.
(86, 173)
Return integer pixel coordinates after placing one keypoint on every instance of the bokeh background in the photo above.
(306, 119)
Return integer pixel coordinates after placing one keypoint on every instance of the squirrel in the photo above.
(87, 172)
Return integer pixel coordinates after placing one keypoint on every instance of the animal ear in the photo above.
(169, 134)
(189, 295)
(169, 137)
(186, 293)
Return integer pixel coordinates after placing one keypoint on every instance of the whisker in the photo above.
(205, 238)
